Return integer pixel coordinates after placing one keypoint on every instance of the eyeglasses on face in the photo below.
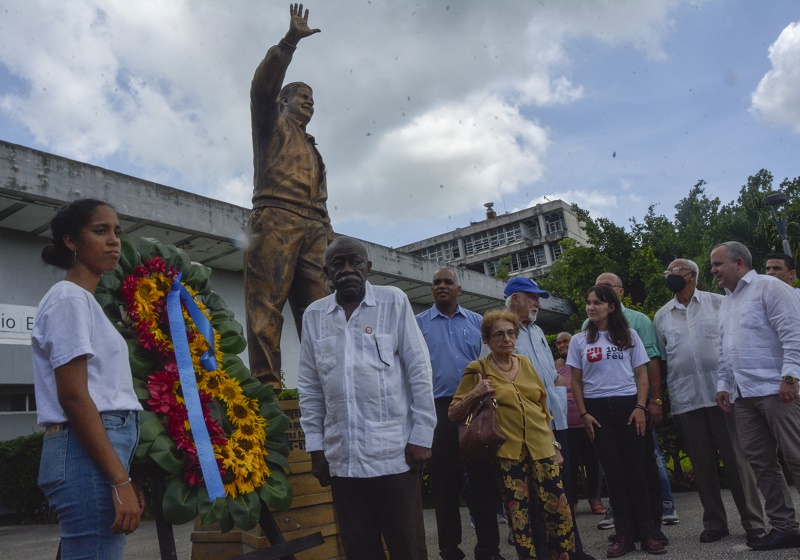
(499, 336)
(676, 270)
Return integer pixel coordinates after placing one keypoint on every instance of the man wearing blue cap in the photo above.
(523, 300)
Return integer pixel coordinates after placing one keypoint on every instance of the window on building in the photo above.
(534, 231)
(445, 252)
(555, 251)
(489, 239)
(431, 253)
(540, 257)
(554, 222)
(17, 398)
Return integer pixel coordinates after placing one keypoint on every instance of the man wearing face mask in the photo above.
(688, 335)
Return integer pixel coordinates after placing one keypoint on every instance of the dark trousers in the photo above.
(622, 455)
(582, 453)
(388, 506)
(653, 478)
(765, 424)
(704, 431)
(447, 476)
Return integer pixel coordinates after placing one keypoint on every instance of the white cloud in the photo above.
(409, 96)
(450, 158)
(777, 97)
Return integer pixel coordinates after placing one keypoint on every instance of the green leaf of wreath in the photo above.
(279, 460)
(245, 510)
(147, 248)
(218, 509)
(180, 502)
(277, 492)
(278, 425)
(224, 516)
(198, 276)
(277, 446)
(165, 454)
(129, 256)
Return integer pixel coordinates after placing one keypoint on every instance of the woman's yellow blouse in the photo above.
(522, 418)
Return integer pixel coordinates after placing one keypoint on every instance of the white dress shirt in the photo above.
(365, 384)
(688, 338)
(759, 324)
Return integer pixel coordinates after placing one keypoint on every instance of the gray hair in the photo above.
(451, 269)
(562, 333)
(736, 251)
(691, 265)
(508, 301)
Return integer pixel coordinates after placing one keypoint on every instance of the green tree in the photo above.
(503, 271)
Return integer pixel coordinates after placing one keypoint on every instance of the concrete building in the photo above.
(34, 184)
(529, 237)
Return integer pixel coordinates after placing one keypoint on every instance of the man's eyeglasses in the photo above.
(677, 270)
(499, 336)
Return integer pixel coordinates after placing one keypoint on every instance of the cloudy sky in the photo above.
(425, 110)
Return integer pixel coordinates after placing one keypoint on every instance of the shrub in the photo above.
(19, 471)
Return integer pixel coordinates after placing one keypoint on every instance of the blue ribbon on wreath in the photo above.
(183, 359)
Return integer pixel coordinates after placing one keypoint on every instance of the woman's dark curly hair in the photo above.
(69, 220)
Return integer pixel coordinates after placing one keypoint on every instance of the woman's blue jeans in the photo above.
(80, 493)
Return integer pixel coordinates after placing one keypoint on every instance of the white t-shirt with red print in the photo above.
(607, 369)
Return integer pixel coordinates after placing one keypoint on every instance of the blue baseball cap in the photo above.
(522, 284)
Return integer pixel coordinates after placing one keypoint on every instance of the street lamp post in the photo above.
(773, 201)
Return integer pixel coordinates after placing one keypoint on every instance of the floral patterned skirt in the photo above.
(518, 481)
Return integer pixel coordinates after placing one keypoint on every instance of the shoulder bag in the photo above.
(479, 436)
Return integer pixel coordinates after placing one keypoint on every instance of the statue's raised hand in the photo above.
(298, 24)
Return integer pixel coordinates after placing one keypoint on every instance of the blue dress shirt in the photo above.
(453, 342)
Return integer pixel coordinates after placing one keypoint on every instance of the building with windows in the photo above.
(530, 237)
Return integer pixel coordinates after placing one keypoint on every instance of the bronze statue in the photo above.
(289, 228)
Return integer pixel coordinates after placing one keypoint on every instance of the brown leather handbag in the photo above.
(479, 436)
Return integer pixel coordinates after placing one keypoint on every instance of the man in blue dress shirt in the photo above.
(453, 336)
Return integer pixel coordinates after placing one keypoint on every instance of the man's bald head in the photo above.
(612, 281)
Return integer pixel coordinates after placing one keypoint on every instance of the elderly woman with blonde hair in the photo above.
(528, 463)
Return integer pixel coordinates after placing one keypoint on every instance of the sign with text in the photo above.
(16, 323)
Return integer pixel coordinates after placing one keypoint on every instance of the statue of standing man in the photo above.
(289, 228)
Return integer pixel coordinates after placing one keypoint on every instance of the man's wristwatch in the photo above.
(557, 445)
(790, 380)
(659, 402)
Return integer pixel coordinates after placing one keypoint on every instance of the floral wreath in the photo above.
(246, 426)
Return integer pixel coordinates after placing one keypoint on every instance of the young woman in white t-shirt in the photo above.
(609, 385)
(84, 390)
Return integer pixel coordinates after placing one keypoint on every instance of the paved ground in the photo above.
(41, 541)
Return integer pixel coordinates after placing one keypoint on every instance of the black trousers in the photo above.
(447, 476)
(388, 506)
(582, 453)
(622, 454)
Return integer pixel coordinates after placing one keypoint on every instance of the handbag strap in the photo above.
(477, 404)
(482, 372)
